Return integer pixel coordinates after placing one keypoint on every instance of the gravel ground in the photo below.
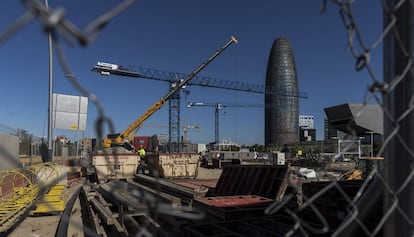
(45, 226)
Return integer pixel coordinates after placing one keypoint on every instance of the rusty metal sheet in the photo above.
(174, 165)
(261, 180)
(197, 183)
(234, 201)
(232, 207)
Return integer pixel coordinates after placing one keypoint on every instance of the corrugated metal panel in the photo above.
(331, 203)
(263, 226)
(261, 180)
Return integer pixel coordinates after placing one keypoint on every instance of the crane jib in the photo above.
(126, 134)
(199, 68)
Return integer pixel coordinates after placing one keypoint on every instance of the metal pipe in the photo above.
(398, 123)
(50, 106)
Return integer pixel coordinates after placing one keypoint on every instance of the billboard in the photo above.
(70, 112)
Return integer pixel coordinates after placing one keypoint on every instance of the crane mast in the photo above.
(217, 108)
(185, 129)
(124, 138)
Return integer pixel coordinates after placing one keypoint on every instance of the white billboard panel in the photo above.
(70, 112)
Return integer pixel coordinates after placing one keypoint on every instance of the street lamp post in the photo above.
(372, 142)
(50, 156)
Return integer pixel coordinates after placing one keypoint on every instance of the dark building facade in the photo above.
(307, 134)
(356, 119)
(282, 117)
(332, 133)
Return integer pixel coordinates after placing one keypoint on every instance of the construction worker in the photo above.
(141, 153)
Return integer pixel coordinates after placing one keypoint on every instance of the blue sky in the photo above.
(178, 36)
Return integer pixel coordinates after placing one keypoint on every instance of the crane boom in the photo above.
(159, 75)
(124, 137)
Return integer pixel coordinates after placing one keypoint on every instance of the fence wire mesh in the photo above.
(380, 205)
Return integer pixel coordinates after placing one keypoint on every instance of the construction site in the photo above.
(355, 182)
(117, 190)
(120, 191)
(173, 196)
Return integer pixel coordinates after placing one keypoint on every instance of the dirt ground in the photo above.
(37, 227)
(45, 226)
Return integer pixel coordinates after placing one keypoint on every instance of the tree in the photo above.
(25, 142)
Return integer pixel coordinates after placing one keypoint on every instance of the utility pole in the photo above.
(50, 106)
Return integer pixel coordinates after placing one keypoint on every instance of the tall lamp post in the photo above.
(372, 142)
(50, 106)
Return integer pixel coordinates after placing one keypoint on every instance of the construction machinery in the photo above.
(153, 144)
(125, 137)
(217, 108)
(363, 167)
(174, 79)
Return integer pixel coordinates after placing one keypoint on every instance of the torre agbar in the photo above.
(281, 97)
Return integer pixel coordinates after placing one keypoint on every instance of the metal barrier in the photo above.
(22, 188)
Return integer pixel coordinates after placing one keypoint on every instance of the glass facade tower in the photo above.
(282, 99)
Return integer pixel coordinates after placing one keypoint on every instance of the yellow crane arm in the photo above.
(129, 132)
(126, 136)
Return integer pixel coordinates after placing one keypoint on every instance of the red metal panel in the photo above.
(149, 143)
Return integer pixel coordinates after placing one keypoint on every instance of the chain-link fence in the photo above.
(30, 145)
(60, 31)
(380, 205)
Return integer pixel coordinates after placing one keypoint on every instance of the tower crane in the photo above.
(124, 138)
(185, 129)
(217, 108)
(174, 79)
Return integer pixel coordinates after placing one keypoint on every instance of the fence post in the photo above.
(397, 54)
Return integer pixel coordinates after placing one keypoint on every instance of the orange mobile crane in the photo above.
(125, 137)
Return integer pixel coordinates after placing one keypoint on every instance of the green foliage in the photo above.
(25, 142)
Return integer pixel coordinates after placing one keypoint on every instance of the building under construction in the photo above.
(282, 108)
